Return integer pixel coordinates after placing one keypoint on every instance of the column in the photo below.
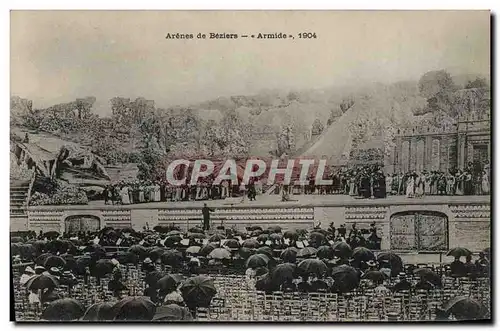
(461, 151)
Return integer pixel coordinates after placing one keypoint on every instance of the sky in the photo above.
(58, 56)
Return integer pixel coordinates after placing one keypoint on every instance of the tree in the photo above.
(438, 88)
(317, 127)
(346, 104)
(286, 140)
(479, 82)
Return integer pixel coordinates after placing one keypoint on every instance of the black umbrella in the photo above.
(290, 234)
(198, 291)
(156, 253)
(102, 267)
(40, 260)
(70, 261)
(265, 250)
(254, 228)
(313, 266)
(82, 262)
(196, 236)
(42, 281)
(289, 255)
(375, 275)
(256, 233)
(251, 243)
(429, 276)
(51, 235)
(54, 261)
(345, 279)
(394, 262)
(216, 237)
(362, 254)
(263, 237)
(206, 249)
(307, 252)
(134, 309)
(342, 249)
(274, 228)
(172, 312)
(325, 252)
(101, 311)
(172, 240)
(126, 257)
(66, 309)
(245, 252)
(139, 250)
(232, 243)
(153, 277)
(172, 257)
(466, 308)
(317, 238)
(257, 260)
(96, 250)
(458, 252)
(196, 230)
(283, 273)
(168, 283)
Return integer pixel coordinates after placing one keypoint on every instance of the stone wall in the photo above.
(469, 224)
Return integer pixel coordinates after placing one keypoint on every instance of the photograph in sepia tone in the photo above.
(277, 166)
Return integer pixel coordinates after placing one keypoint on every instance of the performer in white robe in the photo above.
(124, 195)
(410, 187)
(157, 193)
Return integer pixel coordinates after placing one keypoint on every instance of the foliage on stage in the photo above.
(47, 191)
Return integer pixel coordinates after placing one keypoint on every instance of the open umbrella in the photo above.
(139, 250)
(206, 249)
(274, 228)
(325, 252)
(265, 250)
(51, 235)
(220, 254)
(362, 254)
(54, 261)
(429, 276)
(172, 312)
(40, 282)
(393, 261)
(172, 240)
(275, 236)
(313, 266)
(196, 236)
(102, 267)
(216, 237)
(317, 238)
(134, 309)
(256, 233)
(81, 263)
(97, 250)
(283, 273)
(257, 260)
(156, 253)
(40, 260)
(193, 250)
(251, 243)
(153, 277)
(375, 276)
(70, 261)
(290, 234)
(466, 308)
(342, 249)
(345, 279)
(174, 233)
(263, 237)
(66, 309)
(289, 255)
(101, 311)
(458, 252)
(169, 282)
(245, 252)
(232, 243)
(254, 228)
(196, 230)
(307, 252)
(172, 257)
(198, 291)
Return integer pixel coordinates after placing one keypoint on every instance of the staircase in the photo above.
(19, 190)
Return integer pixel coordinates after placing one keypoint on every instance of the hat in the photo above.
(371, 263)
(54, 270)
(148, 261)
(66, 273)
(29, 270)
